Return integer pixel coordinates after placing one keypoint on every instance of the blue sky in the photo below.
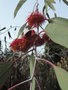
(7, 8)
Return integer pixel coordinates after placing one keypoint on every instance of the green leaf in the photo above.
(65, 1)
(50, 4)
(46, 6)
(21, 30)
(57, 30)
(19, 5)
(62, 77)
(32, 59)
(52, 1)
(5, 69)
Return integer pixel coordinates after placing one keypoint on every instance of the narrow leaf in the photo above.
(3, 29)
(48, 15)
(32, 59)
(43, 9)
(0, 44)
(65, 1)
(21, 30)
(9, 34)
(62, 77)
(15, 29)
(5, 39)
(50, 4)
(21, 2)
(5, 69)
(46, 6)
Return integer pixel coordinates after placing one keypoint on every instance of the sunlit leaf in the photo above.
(21, 2)
(57, 30)
(5, 69)
(21, 30)
(62, 77)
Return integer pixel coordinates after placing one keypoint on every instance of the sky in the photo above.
(7, 19)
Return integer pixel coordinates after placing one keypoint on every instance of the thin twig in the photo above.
(22, 55)
(42, 28)
(44, 60)
(29, 80)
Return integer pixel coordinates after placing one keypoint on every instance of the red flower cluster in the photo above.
(35, 19)
(18, 44)
(27, 41)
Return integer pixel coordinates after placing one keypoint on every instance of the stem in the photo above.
(25, 80)
(38, 83)
(29, 80)
(34, 62)
(34, 68)
(42, 28)
(44, 60)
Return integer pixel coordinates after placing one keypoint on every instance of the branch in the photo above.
(25, 80)
(46, 61)
(22, 55)
(29, 80)
(34, 68)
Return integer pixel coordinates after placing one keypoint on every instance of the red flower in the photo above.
(31, 37)
(35, 19)
(24, 43)
(45, 37)
(41, 40)
(28, 40)
(18, 44)
(29, 34)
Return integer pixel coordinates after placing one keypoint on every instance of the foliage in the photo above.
(63, 77)
(55, 37)
(57, 30)
(21, 2)
(5, 69)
